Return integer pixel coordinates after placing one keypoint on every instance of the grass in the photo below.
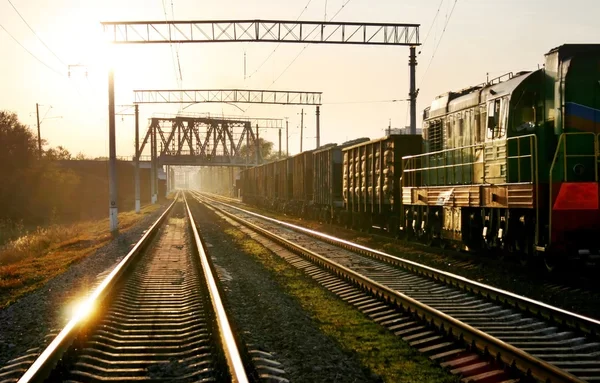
(30, 261)
(377, 349)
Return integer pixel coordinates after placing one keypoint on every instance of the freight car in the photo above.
(327, 184)
(371, 185)
(512, 164)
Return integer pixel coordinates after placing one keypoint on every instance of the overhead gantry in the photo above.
(281, 31)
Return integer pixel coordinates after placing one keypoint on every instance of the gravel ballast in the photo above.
(25, 324)
(272, 320)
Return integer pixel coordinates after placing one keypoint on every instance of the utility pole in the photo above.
(412, 64)
(153, 166)
(287, 138)
(318, 127)
(280, 143)
(112, 156)
(301, 129)
(37, 112)
(257, 147)
(137, 159)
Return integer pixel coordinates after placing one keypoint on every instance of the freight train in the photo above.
(508, 166)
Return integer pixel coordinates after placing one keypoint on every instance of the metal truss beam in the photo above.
(316, 32)
(202, 141)
(227, 96)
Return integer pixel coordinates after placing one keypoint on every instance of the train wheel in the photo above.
(552, 262)
(524, 253)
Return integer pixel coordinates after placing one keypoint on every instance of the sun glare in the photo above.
(82, 308)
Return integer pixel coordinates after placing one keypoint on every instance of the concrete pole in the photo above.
(167, 188)
(248, 131)
(257, 147)
(152, 165)
(37, 112)
(287, 139)
(279, 142)
(112, 157)
(412, 63)
(301, 129)
(137, 159)
(318, 127)
(155, 165)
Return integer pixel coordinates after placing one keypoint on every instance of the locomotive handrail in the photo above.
(412, 160)
(533, 150)
(563, 140)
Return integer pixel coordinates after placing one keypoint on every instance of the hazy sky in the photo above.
(481, 36)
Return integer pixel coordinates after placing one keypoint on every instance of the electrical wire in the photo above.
(177, 48)
(433, 22)
(365, 102)
(36, 35)
(440, 40)
(171, 46)
(32, 55)
(304, 48)
(277, 46)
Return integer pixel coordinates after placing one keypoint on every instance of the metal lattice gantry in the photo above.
(204, 141)
(211, 31)
(227, 96)
(315, 32)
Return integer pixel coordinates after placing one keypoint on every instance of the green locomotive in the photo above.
(512, 164)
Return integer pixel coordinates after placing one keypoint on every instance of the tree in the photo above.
(266, 147)
(58, 153)
(18, 152)
(17, 143)
(276, 157)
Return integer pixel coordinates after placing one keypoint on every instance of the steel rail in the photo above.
(234, 360)
(573, 320)
(501, 351)
(43, 365)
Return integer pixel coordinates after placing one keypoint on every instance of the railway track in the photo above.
(157, 316)
(480, 332)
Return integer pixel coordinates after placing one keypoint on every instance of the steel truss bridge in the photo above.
(201, 141)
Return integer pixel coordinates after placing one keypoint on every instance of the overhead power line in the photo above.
(366, 102)
(440, 40)
(32, 55)
(305, 46)
(433, 22)
(277, 46)
(174, 57)
(36, 35)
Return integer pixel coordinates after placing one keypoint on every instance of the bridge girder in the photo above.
(202, 141)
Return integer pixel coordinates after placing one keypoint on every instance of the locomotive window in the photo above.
(495, 117)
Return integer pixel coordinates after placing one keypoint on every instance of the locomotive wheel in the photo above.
(524, 253)
(552, 262)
